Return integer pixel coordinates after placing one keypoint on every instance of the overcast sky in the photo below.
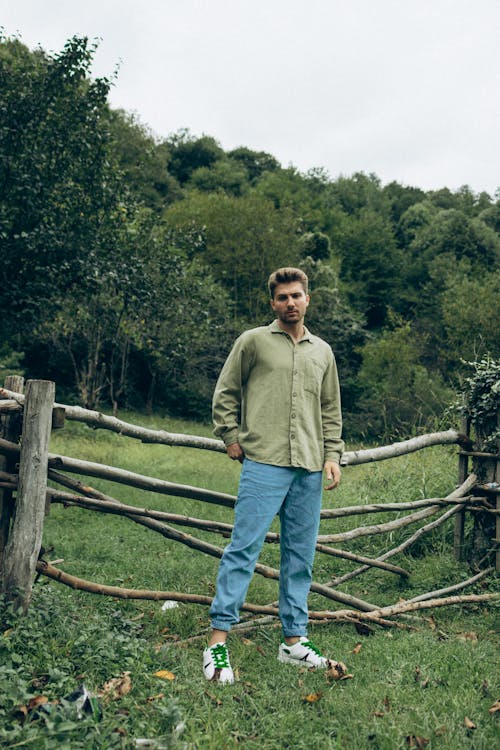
(408, 89)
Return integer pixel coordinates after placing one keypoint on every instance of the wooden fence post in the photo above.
(463, 473)
(486, 465)
(10, 429)
(25, 538)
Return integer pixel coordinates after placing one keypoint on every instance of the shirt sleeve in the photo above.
(226, 403)
(331, 414)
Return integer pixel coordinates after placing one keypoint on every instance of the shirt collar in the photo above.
(275, 328)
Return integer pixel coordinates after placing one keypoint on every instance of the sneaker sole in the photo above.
(285, 659)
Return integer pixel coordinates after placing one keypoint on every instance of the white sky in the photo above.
(408, 89)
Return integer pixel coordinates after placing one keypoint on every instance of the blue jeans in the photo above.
(263, 492)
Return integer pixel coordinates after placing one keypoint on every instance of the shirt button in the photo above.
(294, 395)
(293, 416)
(292, 437)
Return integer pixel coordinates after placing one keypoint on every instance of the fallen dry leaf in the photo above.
(164, 674)
(468, 637)
(337, 670)
(413, 740)
(387, 703)
(378, 713)
(417, 675)
(494, 708)
(214, 698)
(247, 642)
(116, 687)
(485, 688)
(156, 697)
(357, 648)
(261, 650)
(23, 711)
(312, 697)
(469, 723)
(38, 700)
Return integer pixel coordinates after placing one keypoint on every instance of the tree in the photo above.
(254, 162)
(59, 194)
(401, 198)
(246, 239)
(143, 160)
(399, 394)
(188, 153)
(226, 175)
(315, 245)
(471, 317)
(372, 267)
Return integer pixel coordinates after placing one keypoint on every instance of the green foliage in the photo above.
(143, 160)
(188, 154)
(58, 193)
(254, 162)
(130, 261)
(61, 642)
(471, 315)
(481, 400)
(371, 266)
(316, 245)
(399, 394)
(246, 239)
(226, 175)
(10, 361)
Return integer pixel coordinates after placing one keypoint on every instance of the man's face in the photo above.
(290, 302)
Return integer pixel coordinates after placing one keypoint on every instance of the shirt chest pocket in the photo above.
(313, 376)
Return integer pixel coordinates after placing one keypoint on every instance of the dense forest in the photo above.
(129, 262)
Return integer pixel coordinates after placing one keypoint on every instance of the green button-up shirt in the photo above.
(280, 400)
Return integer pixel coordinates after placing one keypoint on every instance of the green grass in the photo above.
(406, 684)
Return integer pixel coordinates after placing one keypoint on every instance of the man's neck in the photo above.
(294, 330)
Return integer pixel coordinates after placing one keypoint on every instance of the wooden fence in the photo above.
(26, 421)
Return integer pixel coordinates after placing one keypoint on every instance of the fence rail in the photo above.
(26, 465)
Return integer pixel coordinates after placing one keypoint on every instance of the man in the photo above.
(277, 407)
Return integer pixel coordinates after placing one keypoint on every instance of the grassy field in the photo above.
(431, 686)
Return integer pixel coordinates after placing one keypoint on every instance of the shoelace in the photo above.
(314, 648)
(220, 656)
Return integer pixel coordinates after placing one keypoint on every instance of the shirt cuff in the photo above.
(230, 437)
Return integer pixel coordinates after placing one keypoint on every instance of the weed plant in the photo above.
(429, 686)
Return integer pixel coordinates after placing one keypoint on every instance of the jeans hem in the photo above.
(226, 627)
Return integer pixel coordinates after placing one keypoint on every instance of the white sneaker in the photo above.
(216, 664)
(303, 654)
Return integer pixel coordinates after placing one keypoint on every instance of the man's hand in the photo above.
(333, 474)
(235, 452)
